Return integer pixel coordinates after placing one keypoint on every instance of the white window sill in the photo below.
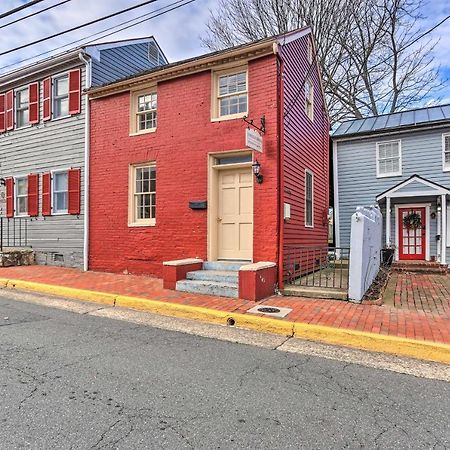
(151, 223)
(138, 133)
(446, 169)
(21, 216)
(230, 117)
(55, 119)
(389, 175)
(60, 213)
(309, 226)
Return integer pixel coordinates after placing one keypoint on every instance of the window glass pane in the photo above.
(22, 186)
(60, 199)
(61, 86)
(145, 195)
(60, 181)
(61, 107)
(22, 117)
(22, 205)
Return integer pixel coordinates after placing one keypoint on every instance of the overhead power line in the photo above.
(315, 61)
(92, 22)
(155, 13)
(34, 14)
(19, 8)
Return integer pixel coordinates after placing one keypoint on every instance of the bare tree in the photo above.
(369, 51)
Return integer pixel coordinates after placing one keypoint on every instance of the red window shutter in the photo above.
(10, 197)
(47, 99)
(33, 92)
(2, 113)
(46, 194)
(10, 110)
(74, 191)
(33, 197)
(75, 91)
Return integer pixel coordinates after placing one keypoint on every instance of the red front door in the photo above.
(412, 240)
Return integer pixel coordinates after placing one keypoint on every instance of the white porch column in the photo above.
(388, 221)
(444, 229)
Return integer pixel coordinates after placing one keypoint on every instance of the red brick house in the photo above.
(172, 177)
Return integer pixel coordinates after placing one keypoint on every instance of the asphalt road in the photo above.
(71, 380)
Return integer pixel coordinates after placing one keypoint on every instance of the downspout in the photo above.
(280, 161)
(88, 82)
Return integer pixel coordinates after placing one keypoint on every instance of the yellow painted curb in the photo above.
(424, 350)
(78, 294)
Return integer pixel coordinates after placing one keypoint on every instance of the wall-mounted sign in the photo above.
(253, 140)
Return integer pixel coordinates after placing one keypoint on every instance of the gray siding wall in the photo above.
(358, 184)
(52, 145)
(120, 62)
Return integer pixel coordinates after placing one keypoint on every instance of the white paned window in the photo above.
(310, 51)
(142, 209)
(309, 99)
(22, 107)
(309, 199)
(61, 96)
(21, 196)
(146, 111)
(60, 192)
(232, 95)
(446, 152)
(389, 159)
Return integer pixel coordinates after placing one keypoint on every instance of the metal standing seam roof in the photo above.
(404, 119)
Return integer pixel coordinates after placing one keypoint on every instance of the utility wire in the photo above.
(33, 14)
(315, 61)
(92, 22)
(155, 13)
(19, 8)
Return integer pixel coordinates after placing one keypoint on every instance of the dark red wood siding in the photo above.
(305, 146)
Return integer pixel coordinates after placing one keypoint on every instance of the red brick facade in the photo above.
(180, 146)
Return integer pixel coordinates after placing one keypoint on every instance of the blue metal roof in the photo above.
(404, 119)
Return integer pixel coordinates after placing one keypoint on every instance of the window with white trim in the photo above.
(309, 199)
(142, 200)
(60, 96)
(389, 159)
(21, 184)
(60, 192)
(310, 51)
(22, 107)
(231, 98)
(146, 115)
(446, 151)
(309, 99)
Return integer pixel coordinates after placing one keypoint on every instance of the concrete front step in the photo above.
(315, 292)
(226, 276)
(214, 288)
(230, 266)
(420, 267)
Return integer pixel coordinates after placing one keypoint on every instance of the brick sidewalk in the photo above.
(432, 325)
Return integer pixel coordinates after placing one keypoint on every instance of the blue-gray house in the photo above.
(401, 162)
(44, 145)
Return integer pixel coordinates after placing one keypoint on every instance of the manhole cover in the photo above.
(268, 310)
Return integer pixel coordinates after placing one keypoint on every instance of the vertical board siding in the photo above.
(38, 149)
(358, 184)
(305, 146)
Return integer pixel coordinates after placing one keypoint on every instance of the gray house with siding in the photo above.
(401, 162)
(44, 145)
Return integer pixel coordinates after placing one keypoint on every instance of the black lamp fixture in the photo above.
(256, 166)
(2, 181)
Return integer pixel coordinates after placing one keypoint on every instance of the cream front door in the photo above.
(235, 218)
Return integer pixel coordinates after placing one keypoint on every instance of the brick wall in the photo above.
(180, 147)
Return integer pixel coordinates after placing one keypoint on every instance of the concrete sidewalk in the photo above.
(384, 328)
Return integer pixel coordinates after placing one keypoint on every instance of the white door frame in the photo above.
(427, 207)
(213, 197)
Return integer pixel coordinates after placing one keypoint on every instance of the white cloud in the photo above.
(177, 32)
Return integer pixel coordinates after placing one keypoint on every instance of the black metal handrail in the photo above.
(13, 232)
(317, 266)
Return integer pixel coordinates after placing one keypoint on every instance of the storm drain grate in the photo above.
(269, 310)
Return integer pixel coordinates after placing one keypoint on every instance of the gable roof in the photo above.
(421, 117)
(430, 188)
(69, 56)
(250, 50)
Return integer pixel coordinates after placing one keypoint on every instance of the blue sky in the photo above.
(177, 32)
